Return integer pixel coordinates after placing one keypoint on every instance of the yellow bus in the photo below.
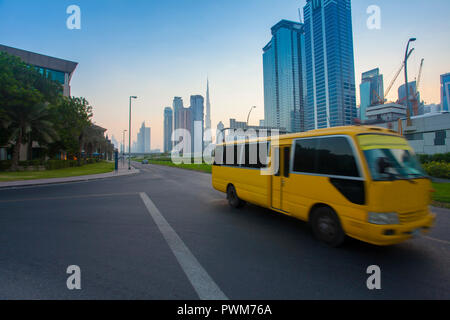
(363, 182)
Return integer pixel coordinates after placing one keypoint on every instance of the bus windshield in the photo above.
(390, 158)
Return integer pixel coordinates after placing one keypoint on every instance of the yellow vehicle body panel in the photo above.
(298, 194)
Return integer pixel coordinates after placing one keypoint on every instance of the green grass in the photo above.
(96, 168)
(197, 167)
(442, 194)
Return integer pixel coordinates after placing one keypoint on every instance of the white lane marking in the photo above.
(203, 284)
(438, 240)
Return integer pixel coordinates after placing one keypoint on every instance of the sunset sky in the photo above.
(161, 49)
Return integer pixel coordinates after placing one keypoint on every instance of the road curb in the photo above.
(74, 180)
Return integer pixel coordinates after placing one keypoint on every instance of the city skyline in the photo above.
(237, 79)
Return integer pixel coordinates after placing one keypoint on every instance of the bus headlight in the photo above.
(383, 218)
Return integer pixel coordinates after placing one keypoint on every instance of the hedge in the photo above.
(440, 157)
(437, 169)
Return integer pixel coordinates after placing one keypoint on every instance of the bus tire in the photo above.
(327, 227)
(233, 198)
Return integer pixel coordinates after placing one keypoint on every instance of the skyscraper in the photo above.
(143, 139)
(445, 92)
(168, 129)
(198, 122)
(371, 91)
(330, 70)
(219, 132)
(177, 106)
(208, 108)
(284, 77)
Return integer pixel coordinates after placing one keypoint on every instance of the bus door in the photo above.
(280, 177)
(276, 179)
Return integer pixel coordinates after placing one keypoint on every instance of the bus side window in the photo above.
(287, 158)
(276, 161)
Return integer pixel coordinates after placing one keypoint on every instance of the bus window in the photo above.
(335, 157)
(305, 155)
(287, 158)
(327, 156)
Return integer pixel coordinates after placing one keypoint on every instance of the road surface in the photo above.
(166, 234)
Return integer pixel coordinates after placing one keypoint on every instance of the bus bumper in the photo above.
(384, 235)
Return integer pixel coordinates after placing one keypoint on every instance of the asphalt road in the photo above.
(166, 234)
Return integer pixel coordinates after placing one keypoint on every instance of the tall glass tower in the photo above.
(330, 70)
(371, 91)
(168, 129)
(197, 123)
(284, 81)
(445, 92)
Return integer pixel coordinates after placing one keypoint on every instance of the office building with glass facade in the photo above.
(371, 91)
(330, 71)
(143, 139)
(445, 92)
(54, 68)
(284, 77)
(168, 129)
(177, 107)
(198, 122)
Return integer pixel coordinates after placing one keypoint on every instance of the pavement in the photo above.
(123, 171)
(165, 233)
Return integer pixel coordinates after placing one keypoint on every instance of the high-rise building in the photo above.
(284, 77)
(143, 139)
(445, 92)
(330, 71)
(219, 133)
(177, 106)
(208, 108)
(168, 129)
(198, 122)
(414, 98)
(371, 91)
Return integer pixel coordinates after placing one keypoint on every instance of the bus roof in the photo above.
(345, 130)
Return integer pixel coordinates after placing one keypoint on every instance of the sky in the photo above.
(160, 49)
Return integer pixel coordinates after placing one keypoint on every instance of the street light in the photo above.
(407, 54)
(129, 136)
(248, 117)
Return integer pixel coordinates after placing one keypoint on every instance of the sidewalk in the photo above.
(123, 171)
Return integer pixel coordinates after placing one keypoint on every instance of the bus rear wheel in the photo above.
(327, 227)
(233, 198)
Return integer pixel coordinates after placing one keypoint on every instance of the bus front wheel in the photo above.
(327, 227)
(233, 198)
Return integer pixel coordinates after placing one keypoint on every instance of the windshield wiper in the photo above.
(400, 177)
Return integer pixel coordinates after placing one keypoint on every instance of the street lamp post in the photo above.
(407, 54)
(248, 117)
(129, 136)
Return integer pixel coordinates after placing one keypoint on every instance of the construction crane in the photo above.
(419, 77)
(415, 99)
(391, 84)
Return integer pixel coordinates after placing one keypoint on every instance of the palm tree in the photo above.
(26, 122)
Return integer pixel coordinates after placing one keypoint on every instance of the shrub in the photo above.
(439, 157)
(60, 164)
(5, 165)
(437, 169)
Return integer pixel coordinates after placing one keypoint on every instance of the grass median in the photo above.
(441, 196)
(196, 167)
(88, 169)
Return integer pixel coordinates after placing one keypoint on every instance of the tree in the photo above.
(24, 98)
(72, 116)
(27, 119)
